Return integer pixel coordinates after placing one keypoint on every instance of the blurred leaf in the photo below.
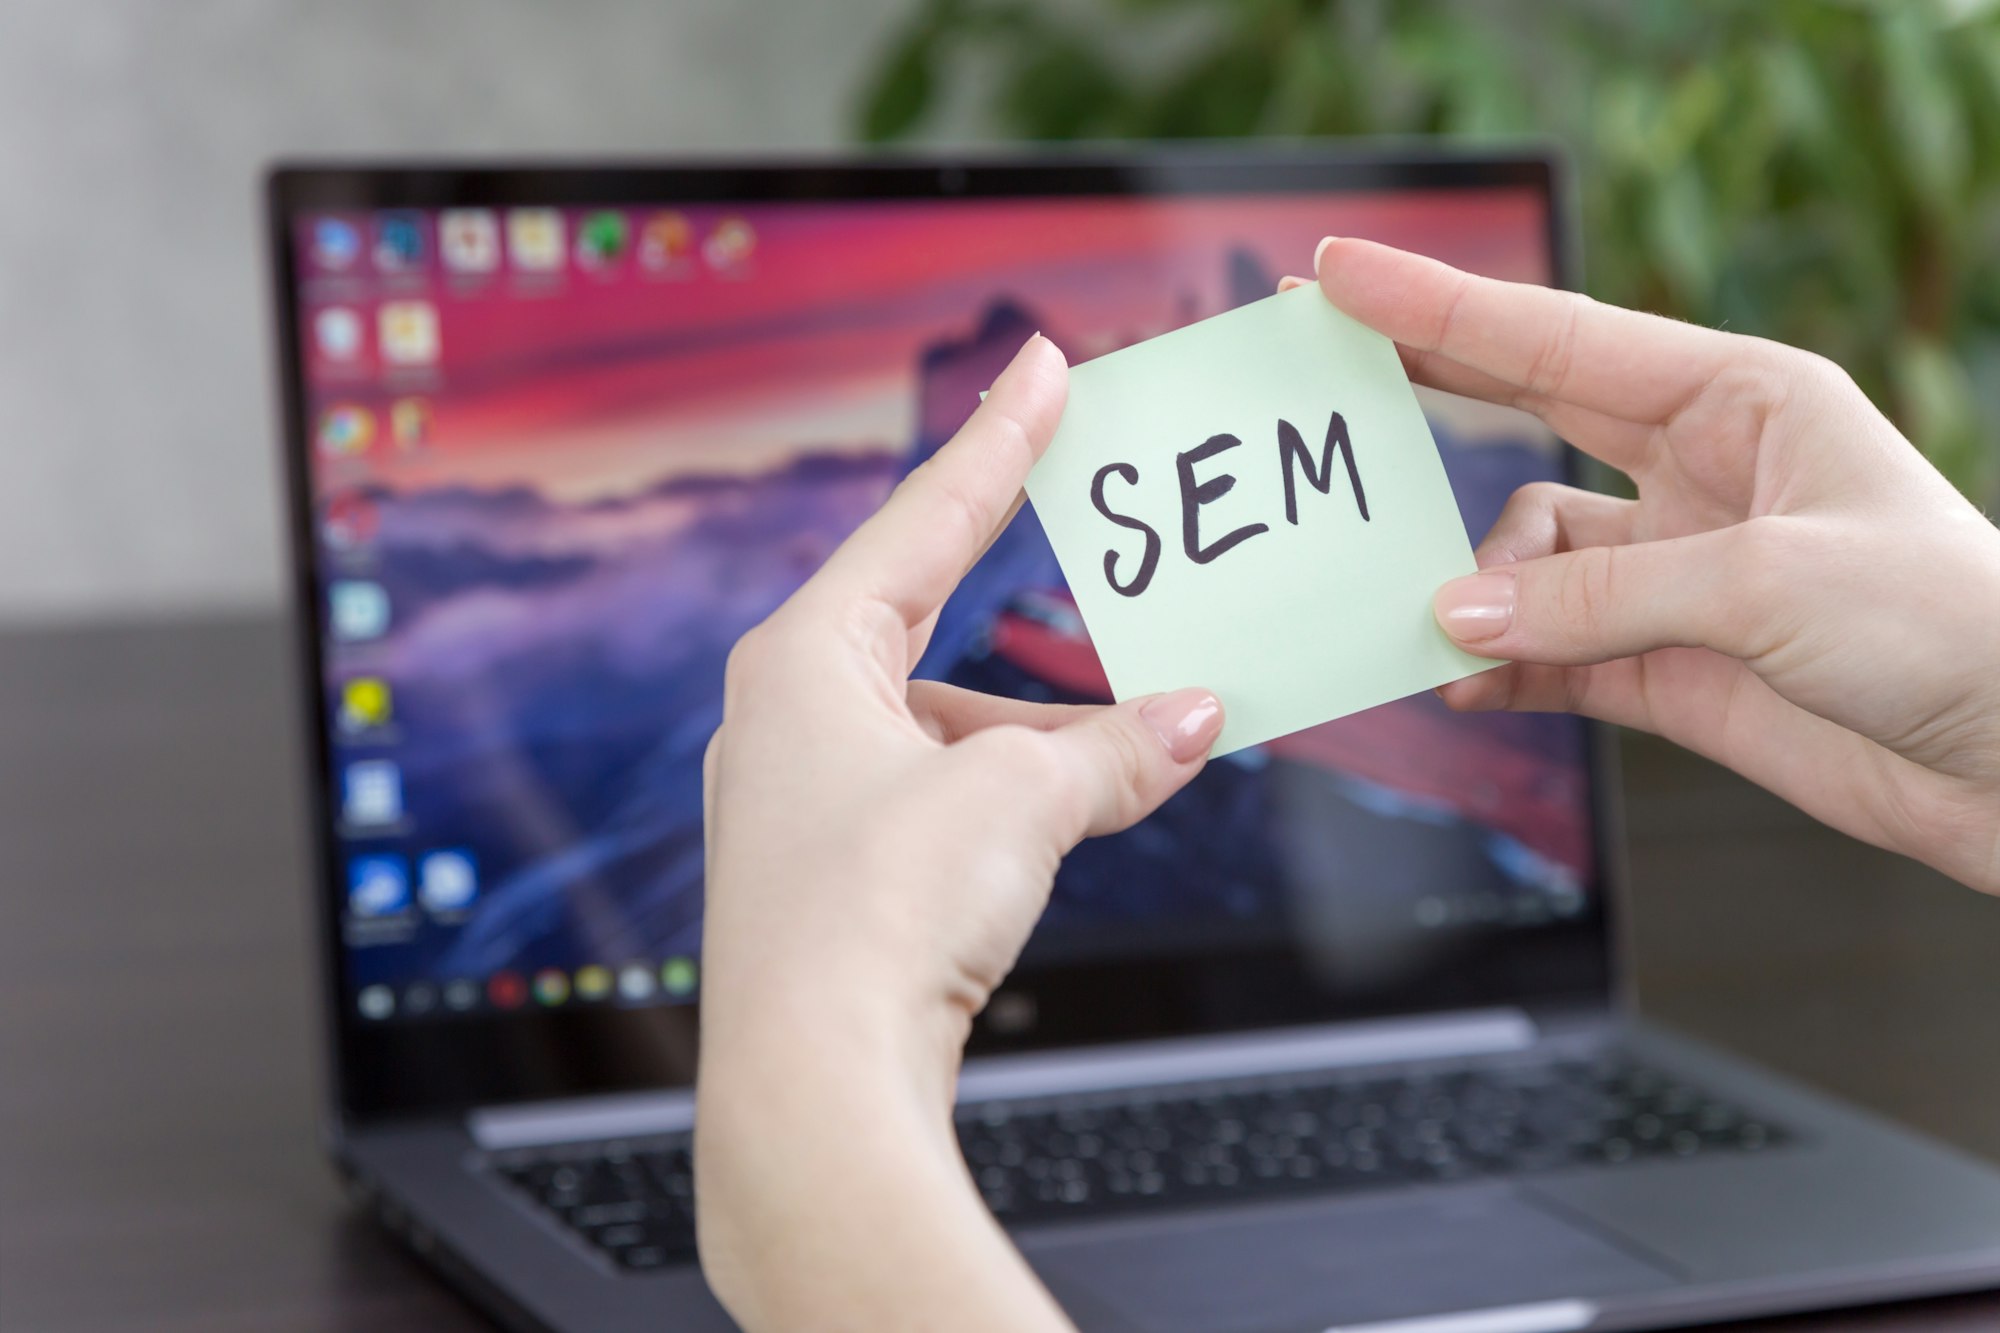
(1930, 137)
(1223, 94)
(1060, 90)
(900, 92)
(1678, 227)
(1938, 406)
(1823, 172)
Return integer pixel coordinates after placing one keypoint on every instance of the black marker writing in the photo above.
(1293, 457)
(1291, 447)
(1196, 494)
(1148, 562)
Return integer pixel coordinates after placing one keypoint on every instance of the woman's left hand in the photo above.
(879, 849)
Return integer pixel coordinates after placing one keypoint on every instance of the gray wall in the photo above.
(136, 455)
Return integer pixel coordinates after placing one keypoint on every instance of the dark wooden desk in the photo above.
(159, 1167)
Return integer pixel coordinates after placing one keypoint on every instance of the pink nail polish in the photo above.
(1186, 721)
(1477, 607)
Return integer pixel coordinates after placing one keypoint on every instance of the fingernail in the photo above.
(1476, 607)
(1319, 250)
(1186, 721)
(1290, 282)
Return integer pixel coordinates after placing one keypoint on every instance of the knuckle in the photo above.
(1018, 753)
(1011, 436)
(1549, 368)
(1539, 494)
(1584, 592)
(1784, 373)
(947, 489)
(753, 657)
(1819, 371)
(741, 667)
(1129, 760)
(1535, 503)
(867, 623)
(1771, 544)
(1526, 524)
(1034, 772)
(1448, 317)
(1768, 557)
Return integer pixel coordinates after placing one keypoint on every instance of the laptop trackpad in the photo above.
(1341, 1262)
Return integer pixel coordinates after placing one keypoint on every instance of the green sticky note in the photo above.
(1255, 504)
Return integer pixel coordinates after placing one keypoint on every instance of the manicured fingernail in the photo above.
(1186, 721)
(1476, 607)
(1319, 250)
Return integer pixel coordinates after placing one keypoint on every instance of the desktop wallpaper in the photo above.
(563, 457)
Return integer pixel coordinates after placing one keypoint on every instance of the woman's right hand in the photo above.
(1795, 593)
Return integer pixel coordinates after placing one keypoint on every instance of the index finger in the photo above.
(912, 552)
(1543, 342)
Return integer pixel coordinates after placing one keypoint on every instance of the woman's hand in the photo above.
(1796, 592)
(878, 851)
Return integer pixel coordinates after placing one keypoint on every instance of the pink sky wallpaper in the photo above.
(630, 455)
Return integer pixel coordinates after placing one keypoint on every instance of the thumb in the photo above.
(1602, 603)
(1119, 764)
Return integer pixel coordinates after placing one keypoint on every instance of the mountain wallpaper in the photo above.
(624, 470)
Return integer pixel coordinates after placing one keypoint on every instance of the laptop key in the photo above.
(1169, 1148)
(1053, 1160)
(632, 1202)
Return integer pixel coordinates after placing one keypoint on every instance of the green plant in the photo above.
(1822, 172)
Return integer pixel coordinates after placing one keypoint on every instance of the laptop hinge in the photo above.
(1090, 1069)
(1247, 1054)
(613, 1116)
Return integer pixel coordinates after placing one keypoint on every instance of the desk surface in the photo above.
(159, 1168)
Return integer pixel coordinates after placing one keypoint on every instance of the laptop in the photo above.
(1334, 1041)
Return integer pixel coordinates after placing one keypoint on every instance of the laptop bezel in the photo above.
(380, 1071)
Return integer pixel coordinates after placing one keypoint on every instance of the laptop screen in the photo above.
(559, 456)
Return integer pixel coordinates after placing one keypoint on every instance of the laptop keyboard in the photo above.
(633, 1200)
(1035, 1163)
(1181, 1147)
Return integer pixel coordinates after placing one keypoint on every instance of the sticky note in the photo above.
(1255, 504)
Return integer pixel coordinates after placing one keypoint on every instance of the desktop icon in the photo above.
(378, 885)
(350, 521)
(551, 986)
(360, 610)
(635, 981)
(345, 429)
(410, 423)
(506, 990)
(535, 239)
(677, 977)
(408, 333)
(371, 794)
(461, 994)
(376, 1002)
(469, 240)
(419, 997)
(447, 881)
(337, 330)
(593, 982)
(365, 704)
(730, 244)
(600, 239)
(336, 244)
(667, 239)
(399, 241)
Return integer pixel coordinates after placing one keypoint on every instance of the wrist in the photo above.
(828, 1167)
(832, 1023)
